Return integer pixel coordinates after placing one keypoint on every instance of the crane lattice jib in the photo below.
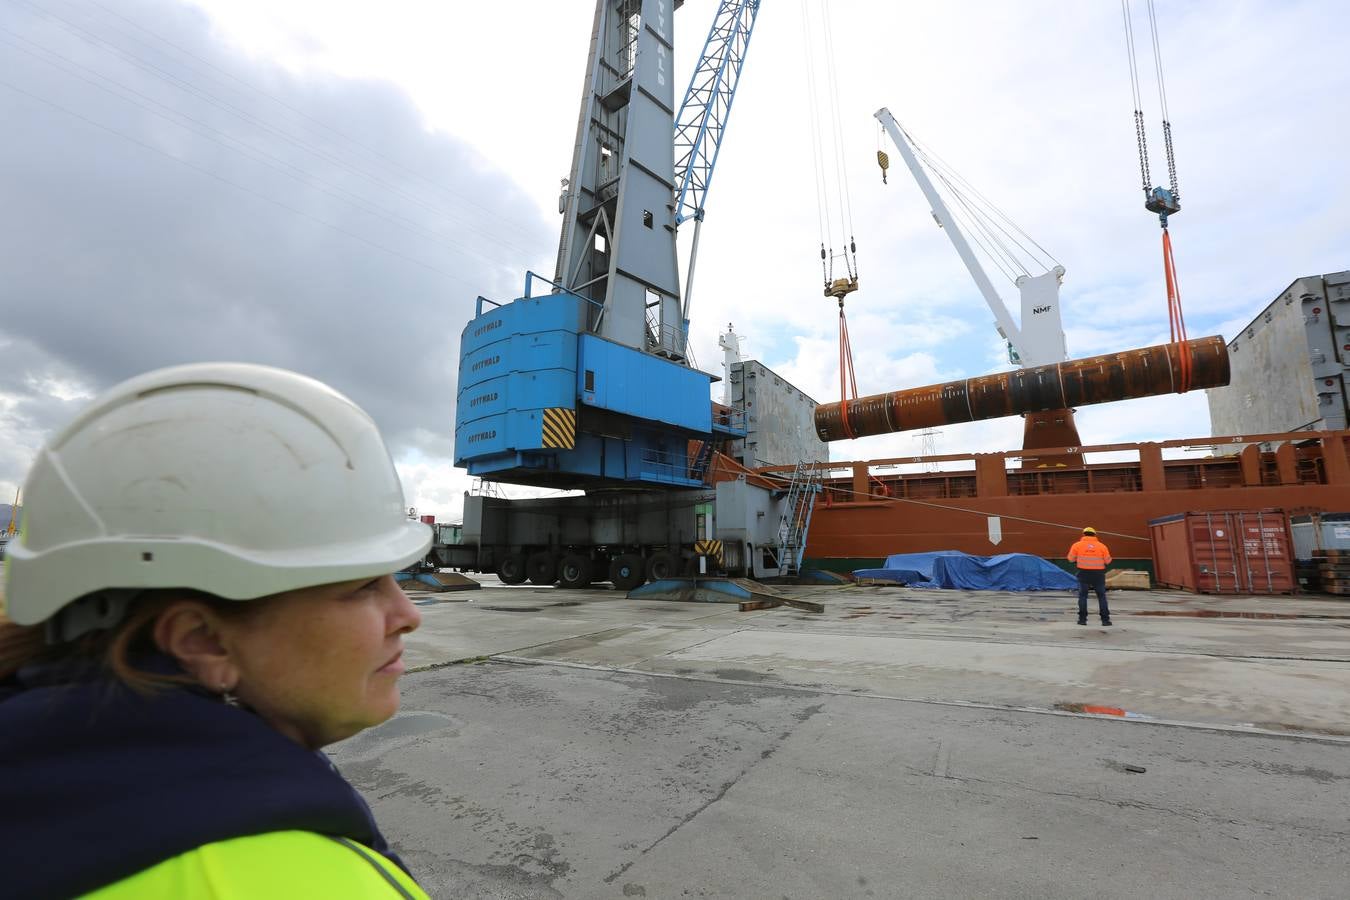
(703, 115)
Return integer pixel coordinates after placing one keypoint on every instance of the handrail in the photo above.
(668, 467)
(557, 286)
(678, 337)
(733, 418)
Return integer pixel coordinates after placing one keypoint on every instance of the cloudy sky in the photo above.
(327, 186)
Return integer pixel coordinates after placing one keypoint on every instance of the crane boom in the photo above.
(702, 119)
(1006, 326)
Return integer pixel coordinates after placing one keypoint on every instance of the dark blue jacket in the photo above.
(98, 782)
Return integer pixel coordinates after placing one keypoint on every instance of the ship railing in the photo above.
(1117, 468)
(530, 279)
(729, 419)
(666, 467)
(670, 341)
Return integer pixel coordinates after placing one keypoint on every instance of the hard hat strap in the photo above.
(94, 612)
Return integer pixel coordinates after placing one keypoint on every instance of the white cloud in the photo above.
(1029, 101)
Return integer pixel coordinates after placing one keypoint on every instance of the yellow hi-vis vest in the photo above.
(279, 865)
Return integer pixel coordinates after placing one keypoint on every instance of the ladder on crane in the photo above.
(699, 468)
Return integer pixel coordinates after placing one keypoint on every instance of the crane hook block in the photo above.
(1164, 203)
(885, 162)
(841, 287)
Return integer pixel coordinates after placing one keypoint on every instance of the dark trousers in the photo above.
(1095, 581)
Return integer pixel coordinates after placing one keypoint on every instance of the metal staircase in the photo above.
(699, 468)
(798, 505)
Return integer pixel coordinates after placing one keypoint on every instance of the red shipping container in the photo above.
(1224, 552)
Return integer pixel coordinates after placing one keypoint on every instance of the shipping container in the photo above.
(1225, 552)
(1319, 531)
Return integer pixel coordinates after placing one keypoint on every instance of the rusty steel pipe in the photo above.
(1148, 372)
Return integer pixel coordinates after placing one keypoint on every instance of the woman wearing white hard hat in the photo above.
(201, 598)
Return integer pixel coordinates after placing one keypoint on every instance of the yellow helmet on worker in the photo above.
(1090, 530)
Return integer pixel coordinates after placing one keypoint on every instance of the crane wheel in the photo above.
(542, 568)
(575, 571)
(662, 565)
(627, 571)
(511, 570)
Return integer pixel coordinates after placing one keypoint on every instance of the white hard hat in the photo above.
(237, 480)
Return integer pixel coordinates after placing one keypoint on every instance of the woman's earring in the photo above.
(228, 698)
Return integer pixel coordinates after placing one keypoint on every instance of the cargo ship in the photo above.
(978, 505)
(1286, 375)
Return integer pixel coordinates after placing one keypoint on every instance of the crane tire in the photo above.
(627, 571)
(511, 570)
(662, 565)
(575, 571)
(542, 568)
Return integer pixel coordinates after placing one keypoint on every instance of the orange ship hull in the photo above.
(873, 511)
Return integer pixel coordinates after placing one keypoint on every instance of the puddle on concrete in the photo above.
(743, 675)
(1233, 614)
(400, 729)
(412, 723)
(529, 608)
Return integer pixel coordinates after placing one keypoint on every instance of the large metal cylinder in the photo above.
(1077, 382)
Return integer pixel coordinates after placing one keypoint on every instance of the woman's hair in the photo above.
(115, 648)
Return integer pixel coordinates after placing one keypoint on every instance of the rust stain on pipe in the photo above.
(1148, 372)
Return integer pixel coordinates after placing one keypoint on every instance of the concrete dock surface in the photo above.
(904, 743)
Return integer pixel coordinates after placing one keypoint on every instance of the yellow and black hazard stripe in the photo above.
(712, 549)
(560, 428)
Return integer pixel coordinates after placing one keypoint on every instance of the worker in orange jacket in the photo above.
(1092, 558)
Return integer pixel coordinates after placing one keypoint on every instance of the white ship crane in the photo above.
(1039, 338)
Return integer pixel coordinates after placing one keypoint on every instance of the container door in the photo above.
(1214, 551)
(1173, 560)
(1266, 560)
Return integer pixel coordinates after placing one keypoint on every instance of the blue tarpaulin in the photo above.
(954, 569)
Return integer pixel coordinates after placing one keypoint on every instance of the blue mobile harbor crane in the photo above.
(585, 382)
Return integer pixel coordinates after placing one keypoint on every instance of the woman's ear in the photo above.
(190, 632)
